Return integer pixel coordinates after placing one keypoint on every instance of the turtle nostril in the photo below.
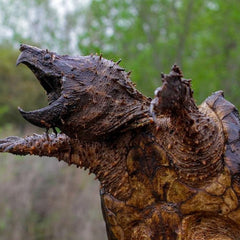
(22, 47)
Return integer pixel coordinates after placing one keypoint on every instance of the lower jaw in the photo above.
(46, 117)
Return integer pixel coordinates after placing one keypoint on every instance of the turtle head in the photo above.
(88, 96)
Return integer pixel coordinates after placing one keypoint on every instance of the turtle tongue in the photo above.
(47, 117)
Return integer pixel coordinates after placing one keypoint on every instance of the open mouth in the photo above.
(48, 79)
(50, 83)
(44, 70)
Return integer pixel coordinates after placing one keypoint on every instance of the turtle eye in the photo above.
(47, 56)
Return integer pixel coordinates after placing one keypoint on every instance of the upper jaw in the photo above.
(50, 79)
(27, 52)
(33, 58)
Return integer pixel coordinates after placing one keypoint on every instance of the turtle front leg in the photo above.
(61, 146)
(41, 145)
(97, 157)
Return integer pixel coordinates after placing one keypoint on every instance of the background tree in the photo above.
(201, 36)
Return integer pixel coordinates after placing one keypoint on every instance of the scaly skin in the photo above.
(171, 173)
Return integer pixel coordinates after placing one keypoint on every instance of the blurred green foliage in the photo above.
(199, 35)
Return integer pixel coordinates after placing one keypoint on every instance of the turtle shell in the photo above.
(165, 204)
(229, 117)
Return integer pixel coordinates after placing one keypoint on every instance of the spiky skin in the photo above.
(167, 168)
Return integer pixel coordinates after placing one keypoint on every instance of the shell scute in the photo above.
(230, 199)
(212, 99)
(223, 107)
(229, 117)
(202, 202)
(219, 104)
(235, 215)
(231, 130)
(232, 159)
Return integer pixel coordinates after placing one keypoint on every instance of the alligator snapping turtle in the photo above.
(167, 168)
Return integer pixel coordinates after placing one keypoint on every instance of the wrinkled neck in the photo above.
(195, 144)
(192, 136)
